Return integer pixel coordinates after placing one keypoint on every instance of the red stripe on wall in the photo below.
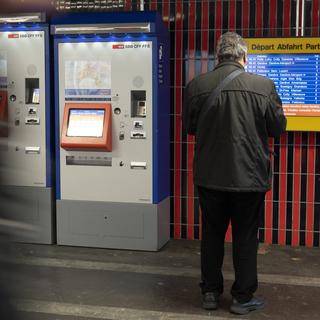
(296, 191)
(268, 210)
(128, 5)
(268, 217)
(287, 17)
(153, 5)
(259, 17)
(166, 13)
(232, 15)
(273, 18)
(190, 202)
(177, 133)
(310, 189)
(245, 18)
(218, 20)
(315, 18)
(190, 146)
(204, 36)
(283, 189)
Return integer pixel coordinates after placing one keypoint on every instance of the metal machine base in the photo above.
(29, 211)
(113, 225)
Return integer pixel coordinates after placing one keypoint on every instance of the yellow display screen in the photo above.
(294, 65)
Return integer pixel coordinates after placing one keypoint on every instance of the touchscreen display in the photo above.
(85, 123)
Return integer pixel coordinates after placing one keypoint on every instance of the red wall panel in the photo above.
(291, 211)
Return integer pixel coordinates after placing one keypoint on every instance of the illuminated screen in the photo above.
(85, 123)
(36, 96)
(296, 77)
(294, 65)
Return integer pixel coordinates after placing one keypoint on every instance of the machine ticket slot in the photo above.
(3, 113)
(87, 126)
(138, 165)
(32, 150)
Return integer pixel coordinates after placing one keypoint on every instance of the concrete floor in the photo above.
(52, 282)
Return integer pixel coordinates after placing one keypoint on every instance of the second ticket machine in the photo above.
(112, 130)
(25, 139)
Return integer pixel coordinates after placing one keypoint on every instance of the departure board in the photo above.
(293, 65)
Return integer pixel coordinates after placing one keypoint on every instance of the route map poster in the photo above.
(87, 78)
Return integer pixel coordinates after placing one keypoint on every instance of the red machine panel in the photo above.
(87, 126)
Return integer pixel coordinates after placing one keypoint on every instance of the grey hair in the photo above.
(231, 46)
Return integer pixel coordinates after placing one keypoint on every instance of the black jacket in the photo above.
(232, 151)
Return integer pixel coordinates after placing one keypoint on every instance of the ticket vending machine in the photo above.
(25, 141)
(112, 130)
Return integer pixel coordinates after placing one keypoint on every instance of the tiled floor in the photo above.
(51, 283)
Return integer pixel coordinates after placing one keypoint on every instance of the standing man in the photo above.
(232, 169)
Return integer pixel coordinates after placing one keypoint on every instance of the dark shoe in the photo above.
(210, 301)
(244, 308)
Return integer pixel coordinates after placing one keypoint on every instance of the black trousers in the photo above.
(243, 209)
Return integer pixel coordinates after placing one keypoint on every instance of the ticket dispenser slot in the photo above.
(138, 104)
(32, 91)
(3, 114)
(87, 126)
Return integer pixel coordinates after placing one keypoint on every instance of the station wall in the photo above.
(292, 208)
(291, 215)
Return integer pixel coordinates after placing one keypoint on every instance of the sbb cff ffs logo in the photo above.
(131, 46)
(24, 35)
